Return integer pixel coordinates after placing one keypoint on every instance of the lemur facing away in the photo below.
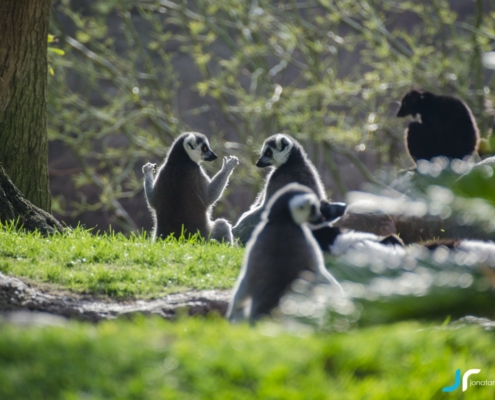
(181, 196)
(291, 164)
(280, 249)
(447, 126)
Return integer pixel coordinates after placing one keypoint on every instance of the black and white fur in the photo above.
(181, 195)
(290, 164)
(338, 241)
(280, 249)
(447, 126)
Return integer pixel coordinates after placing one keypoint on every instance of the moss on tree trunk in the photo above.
(23, 77)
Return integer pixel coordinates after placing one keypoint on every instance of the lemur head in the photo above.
(276, 150)
(305, 208)
(294, 201)
(197, 147)
(412, 103)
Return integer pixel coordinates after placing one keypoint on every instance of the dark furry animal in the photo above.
(181, 195)
(280, 249)
(289, 163)
(447, 126)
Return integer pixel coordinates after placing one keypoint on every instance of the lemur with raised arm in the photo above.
(181, 195)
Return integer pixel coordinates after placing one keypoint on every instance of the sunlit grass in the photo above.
(112, 264)
(208, 358)
(124, 268)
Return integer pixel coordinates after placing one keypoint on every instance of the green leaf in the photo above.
(83, 37)
(60, 52)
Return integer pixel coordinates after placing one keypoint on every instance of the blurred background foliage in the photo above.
(137, 73)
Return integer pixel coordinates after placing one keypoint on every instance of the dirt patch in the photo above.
(16, 295)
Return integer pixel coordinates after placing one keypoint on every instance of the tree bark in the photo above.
(23, 79)
(15, 208)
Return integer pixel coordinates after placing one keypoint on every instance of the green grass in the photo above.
(208, 358)
(197, 358)
(114, 265)
(120, 267)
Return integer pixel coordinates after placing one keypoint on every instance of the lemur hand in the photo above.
(149, 167)
(230, 162)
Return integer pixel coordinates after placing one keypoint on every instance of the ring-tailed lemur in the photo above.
(280, 249)
(291, 164)
(181, 195)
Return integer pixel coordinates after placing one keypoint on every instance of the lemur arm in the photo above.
(259, 200)
(149, 179)
(324, 276)
(219, 181)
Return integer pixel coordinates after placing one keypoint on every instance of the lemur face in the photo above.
(275, 151)
(410, 104)
(198, 148)
(305, 208)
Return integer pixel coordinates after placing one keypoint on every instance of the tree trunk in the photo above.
(14, 207)
(23, 77)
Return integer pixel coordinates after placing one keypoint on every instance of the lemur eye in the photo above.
(268, 153)
(205, 148)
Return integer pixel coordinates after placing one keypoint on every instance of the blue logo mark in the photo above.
(456, 384)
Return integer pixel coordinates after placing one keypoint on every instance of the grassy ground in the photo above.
(208, 358)
(118, 266)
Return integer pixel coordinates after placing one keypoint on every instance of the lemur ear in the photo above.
(284, 143)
